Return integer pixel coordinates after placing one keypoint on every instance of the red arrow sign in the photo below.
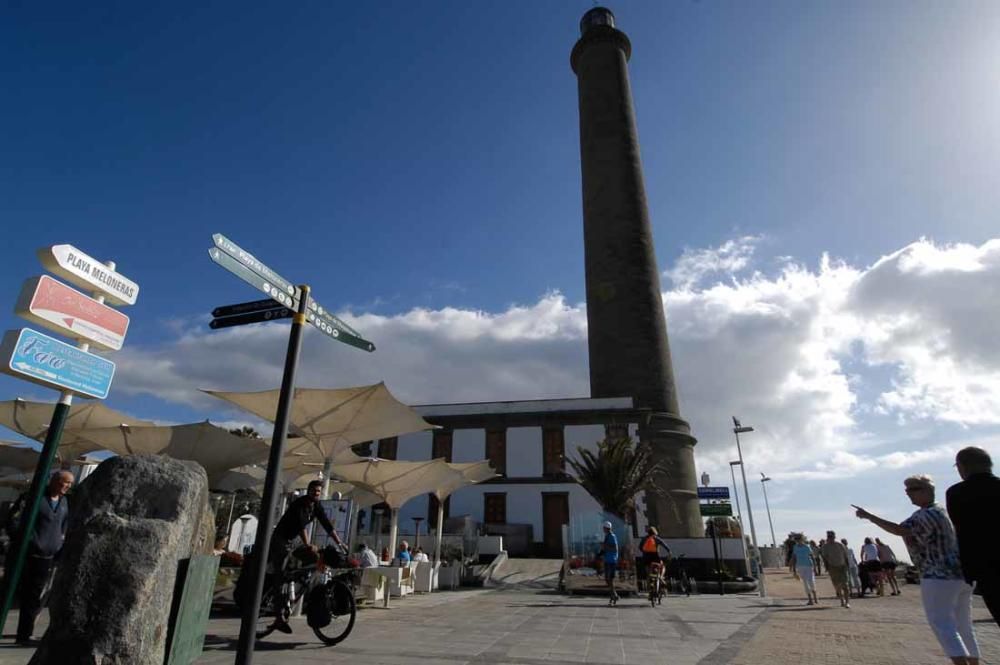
(50, 303)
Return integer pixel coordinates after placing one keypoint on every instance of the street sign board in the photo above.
(247, 267)
(247, 259)
(252, 278)
(88, 273)
(50, 303)
(244, 308)
(716, 509)
(252, 317)
(30, 355)
(713, 492)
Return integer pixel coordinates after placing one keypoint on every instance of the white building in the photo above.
(527, 442)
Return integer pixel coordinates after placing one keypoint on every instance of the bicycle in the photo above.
(656, 584)
(678, 576)
(325, 587)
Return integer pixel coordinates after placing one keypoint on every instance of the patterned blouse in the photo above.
(932, 544)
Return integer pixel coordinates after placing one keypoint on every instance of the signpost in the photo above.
(251, 270)
(713, 493)
(33, 356)
(716, 509)
(247, 267)
(60, 308)
(73, 265)
(251, 317)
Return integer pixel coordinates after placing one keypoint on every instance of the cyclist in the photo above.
(651, 547)
(292, 526)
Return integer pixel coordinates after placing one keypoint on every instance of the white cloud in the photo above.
(729, 258)
(790, 353)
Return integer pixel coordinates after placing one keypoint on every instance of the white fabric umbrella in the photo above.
(15, 458)
(395, 482)
(32, 420)
(334, 419)
(214, 448)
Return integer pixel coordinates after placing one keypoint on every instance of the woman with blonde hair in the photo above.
(947, 597)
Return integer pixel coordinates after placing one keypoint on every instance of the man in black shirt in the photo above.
(970, 503)
(292, 526)
(44, 545)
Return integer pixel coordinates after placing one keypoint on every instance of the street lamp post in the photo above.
(738, 429)
(763, 485)
(739, 511)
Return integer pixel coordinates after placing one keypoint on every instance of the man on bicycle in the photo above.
(651, 547)
(292, 526)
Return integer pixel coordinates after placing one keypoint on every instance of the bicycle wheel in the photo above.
(652, 593)
(341, 605)
(265, 618)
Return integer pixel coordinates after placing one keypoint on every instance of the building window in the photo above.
(441, 444)
(496, 450)
(495, 508)
(362, 449)
(388, 448)
(553, 452)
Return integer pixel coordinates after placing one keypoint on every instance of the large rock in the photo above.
(132, 520)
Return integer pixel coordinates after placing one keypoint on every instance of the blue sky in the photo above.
(418, 164)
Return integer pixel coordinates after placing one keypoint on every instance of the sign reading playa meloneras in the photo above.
(50, 303)
(89, 273)
(30, 355)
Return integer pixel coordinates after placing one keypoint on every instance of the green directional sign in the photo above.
(251, 270)
(254, 265)
(716, 509)
(252, 278)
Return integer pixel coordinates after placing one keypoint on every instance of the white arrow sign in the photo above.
(87, 272)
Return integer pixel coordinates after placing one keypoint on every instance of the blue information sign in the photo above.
(30, 355)
(713, 492)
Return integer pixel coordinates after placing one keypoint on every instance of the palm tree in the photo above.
(615, 474)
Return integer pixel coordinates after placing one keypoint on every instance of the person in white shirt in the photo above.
(420, 556)
(872, 567)
(852, 569)
(368, 557)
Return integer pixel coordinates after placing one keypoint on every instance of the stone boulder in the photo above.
(132, 520)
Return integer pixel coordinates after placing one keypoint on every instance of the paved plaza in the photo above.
(530, 626)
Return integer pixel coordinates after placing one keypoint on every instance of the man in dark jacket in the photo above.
(291, 528)
(45, 544)
(969, 502)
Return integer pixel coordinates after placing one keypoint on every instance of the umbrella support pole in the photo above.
(248, 624)
(440, 532)
(393, 532)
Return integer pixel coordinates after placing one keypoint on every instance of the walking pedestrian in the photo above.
(947, 597)
(965, 501)
(817, 564)
(887, 558)
(852, 569)
(46, 540)
(610, 549)
(802, 559)
(871, 567)
(835, 557)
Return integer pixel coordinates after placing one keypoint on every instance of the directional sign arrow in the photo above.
(247, 267)
(244, 308)
(252, 278)
(252, 317)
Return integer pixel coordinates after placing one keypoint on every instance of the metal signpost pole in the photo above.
(763, 485)
(746, 492)
(739, 514)
(245, 647)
